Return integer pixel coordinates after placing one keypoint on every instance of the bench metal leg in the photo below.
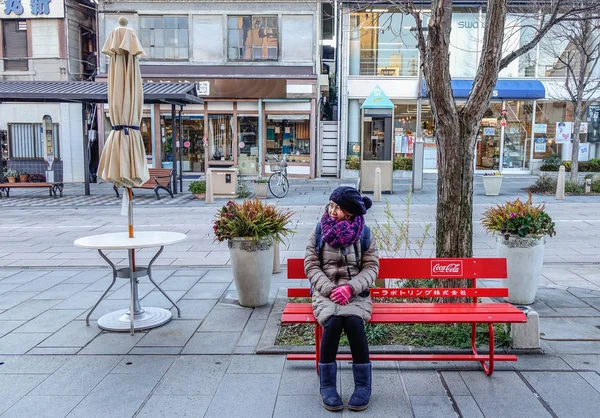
(114, 269)
(159, 186)
(488, 367)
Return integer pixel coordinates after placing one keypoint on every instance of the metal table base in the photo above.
(143, 318)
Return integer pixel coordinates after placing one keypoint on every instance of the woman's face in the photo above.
(336, 212)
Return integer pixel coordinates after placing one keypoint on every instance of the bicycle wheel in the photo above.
(278, 185)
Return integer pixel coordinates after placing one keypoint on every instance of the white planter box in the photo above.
(350, 174)
(491, 185)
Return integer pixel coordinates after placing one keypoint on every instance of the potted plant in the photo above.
(23, 177)
(521, 230)
(37, 178)
(492, 181)
(250, 229)
(11, 175)
(198, 188)
(261, 187)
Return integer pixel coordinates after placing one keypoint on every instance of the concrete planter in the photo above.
(252, 265)
(350, 174)
(524, 258)
(261, 190)
(402, 174)
(491, 185)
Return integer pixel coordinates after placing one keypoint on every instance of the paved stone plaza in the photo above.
(211, 361)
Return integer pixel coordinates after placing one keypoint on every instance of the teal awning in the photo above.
(377, 100)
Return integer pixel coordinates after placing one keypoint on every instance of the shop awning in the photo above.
(92, 92)
(504, 89)
(377, 100)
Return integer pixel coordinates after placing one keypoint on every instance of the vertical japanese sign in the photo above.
(48, 140)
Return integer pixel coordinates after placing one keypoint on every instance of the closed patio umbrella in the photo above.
(123, 160)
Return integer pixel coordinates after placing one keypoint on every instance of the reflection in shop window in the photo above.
(248, 144)
(382, 43)
(146, 131)
(487, 151)
(193, 149)
(289, 135)
(220, 137)
(519, 31)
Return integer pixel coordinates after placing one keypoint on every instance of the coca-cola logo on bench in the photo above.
(452, 268)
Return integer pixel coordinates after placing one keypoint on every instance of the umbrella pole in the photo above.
(130, 226)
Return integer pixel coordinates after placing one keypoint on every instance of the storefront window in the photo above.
(517, 134)
(146, 131)
(552, 48)
(518, 31)
(382, 43)
(487, 153)
(248, 145)
(405, 129)
(193, 148)
(220, 137)
(464, 44)
(289, 135)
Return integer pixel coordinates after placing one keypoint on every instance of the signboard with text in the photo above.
(32, 9)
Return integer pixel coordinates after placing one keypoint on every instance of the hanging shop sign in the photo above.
(32, 9)
(540, 128)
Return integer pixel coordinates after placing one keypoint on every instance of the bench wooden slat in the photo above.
(418, 308)
(480, 292)
(414, 357)
(421, 318)
(423, 268)
(29, 184)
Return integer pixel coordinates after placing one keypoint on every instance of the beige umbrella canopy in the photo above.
(123, 160)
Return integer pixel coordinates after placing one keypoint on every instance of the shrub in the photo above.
(554, 159)
(197, 187)
(402, 163)
(11, 172)
(572, 187)
(596, 186)
(518, 218)
(352, 163)
(544, 184)
(251, 219)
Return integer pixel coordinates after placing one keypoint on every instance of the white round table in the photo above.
(143, 318)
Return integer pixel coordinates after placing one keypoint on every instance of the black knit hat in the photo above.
(351, 201)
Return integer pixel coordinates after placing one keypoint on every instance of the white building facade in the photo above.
(45, 41)
(521, 126)
(256, 67)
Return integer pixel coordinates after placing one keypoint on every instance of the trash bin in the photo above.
(224, 181)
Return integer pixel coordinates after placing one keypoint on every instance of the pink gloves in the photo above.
(341, 294)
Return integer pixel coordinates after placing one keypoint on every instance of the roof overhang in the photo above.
(179, 94)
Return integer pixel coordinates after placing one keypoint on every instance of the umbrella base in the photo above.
(146, 319)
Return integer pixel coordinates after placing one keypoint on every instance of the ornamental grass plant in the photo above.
(518, 218)
(251, 219)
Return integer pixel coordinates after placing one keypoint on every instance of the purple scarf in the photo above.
(340, 234)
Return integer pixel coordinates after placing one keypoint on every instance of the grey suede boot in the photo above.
(329, 393)
(362, 387)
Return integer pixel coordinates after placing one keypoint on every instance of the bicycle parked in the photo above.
(278, 182)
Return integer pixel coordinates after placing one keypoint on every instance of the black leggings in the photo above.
(355, 330)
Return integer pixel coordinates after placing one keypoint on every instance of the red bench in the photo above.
(473, 312)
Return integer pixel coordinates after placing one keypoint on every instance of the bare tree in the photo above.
(456, 127)
(576, 49)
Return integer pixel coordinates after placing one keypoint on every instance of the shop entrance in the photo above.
(193, 148)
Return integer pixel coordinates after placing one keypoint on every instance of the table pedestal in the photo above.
(143, 318)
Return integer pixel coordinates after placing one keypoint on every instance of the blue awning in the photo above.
(504, 89)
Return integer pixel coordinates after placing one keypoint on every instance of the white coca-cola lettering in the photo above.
(448, 268)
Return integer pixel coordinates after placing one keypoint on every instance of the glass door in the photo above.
(487, 154)
(517, 135)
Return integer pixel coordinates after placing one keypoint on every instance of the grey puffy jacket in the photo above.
(333, 273)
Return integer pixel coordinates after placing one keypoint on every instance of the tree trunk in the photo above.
(454, 220)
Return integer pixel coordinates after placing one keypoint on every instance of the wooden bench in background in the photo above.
(472, 312)
(53, 188)
(160, 178)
